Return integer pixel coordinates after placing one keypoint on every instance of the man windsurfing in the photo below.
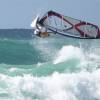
(42, 31)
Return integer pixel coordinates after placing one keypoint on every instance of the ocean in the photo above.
(52, 68)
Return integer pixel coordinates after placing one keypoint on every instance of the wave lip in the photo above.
(68, 52)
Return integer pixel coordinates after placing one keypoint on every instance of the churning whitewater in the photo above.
(53, 68)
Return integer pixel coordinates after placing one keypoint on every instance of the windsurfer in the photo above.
(42, 32)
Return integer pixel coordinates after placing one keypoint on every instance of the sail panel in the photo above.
(69, 26)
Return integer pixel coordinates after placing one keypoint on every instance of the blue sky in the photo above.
(19, 13)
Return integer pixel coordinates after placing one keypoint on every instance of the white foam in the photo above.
(68, 52)
(70, 86)
(12, 69)
(39, 64)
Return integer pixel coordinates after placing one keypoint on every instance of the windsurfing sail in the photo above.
(56, 23)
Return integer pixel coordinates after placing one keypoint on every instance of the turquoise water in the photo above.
(53, 68)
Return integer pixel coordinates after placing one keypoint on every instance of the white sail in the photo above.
(34, 22)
